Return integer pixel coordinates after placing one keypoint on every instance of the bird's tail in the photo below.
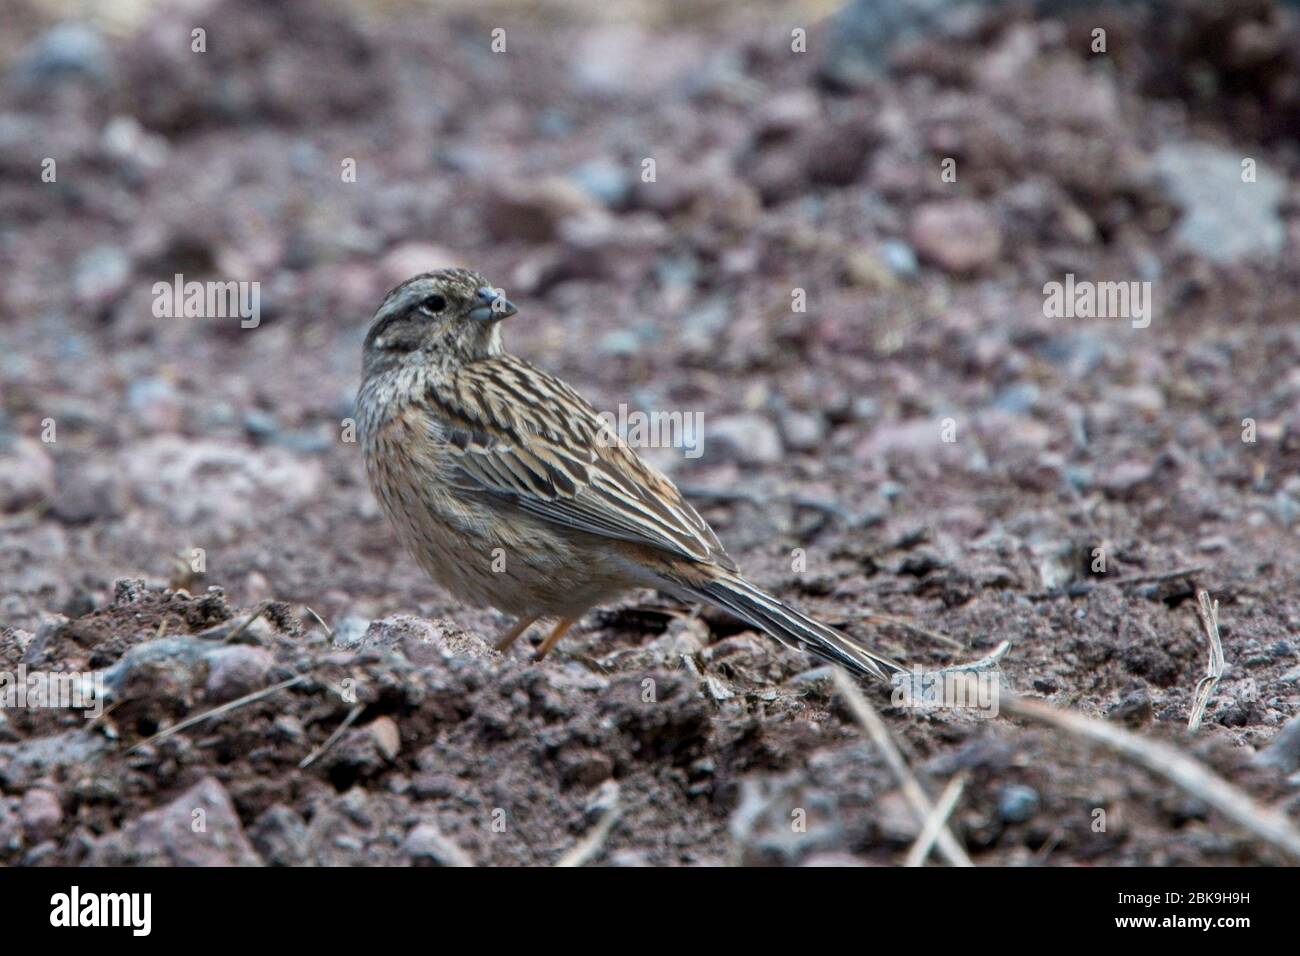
(791, 627)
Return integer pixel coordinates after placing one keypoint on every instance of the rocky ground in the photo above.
(128, 441)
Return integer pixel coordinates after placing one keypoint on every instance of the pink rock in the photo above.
(237, 670)
(26, 474)
(747, 438)
(525, 209)
(412, 258)
(41, 814)
(218, 488)
(959, 235)
(198, 828)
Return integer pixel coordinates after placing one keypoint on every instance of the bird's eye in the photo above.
(434, 304)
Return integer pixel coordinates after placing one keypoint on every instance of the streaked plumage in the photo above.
(510, 490)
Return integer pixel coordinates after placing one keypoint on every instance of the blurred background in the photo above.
(795, 146)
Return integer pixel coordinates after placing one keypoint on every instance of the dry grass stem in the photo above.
(875, 727)
(1170, 763)
(218, 711)
(1208, 612)
(936, 821)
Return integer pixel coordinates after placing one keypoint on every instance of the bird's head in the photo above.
(447, 317)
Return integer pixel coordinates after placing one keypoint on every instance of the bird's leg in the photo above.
(561, 628)
(510, 636)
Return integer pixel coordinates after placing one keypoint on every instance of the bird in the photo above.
(510, 490)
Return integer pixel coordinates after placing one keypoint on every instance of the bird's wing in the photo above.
(522, 435)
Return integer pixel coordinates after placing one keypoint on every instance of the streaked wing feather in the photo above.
(524, 436)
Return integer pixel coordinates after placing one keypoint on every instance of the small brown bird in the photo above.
(510, 490)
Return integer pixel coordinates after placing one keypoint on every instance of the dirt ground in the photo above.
(1170, 450)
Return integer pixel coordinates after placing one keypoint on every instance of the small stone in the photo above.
(1017, 803)
(625, 59)
(863, 33)
(907, 438)
(834, 154)
(608, 182)
(896, 817)
(214, 487)
(533, 210)
(423, 641)
(26, 473)
(167, 835)
(628, 858)
(1134, 707)
(1078, 352)
(281, 837)
(257, 588)
(900, 258)
(584, 767)
(154, 404)
(1283, 751)
(762, 825)
(803, 431)
(1079, 477)
(1213, 544)
(138, 150)
(260, 424)
(1224, 218)
(865, 269)
(1146, 399)
(622, 342)
(426, 845)
(437, 786)
(747, 438)
(834, 858)
(70, 50)
(1124, 479)
(959, 235)
(79, 603)
(1019, 399)
(387, 736)
(787, 113)
(41, 814)
(236, 670)
(350, 631)
(100, 277)
(703, 324)
(290, 727)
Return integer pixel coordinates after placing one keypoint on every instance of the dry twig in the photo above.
(585, 849)
(237, 632)
(329, 631)
(1208, 612)
(332, 739)
(938, 819)
(875, 727)
(217, 711)
(1171, 764)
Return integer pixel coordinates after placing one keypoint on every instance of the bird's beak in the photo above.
(493, 306)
